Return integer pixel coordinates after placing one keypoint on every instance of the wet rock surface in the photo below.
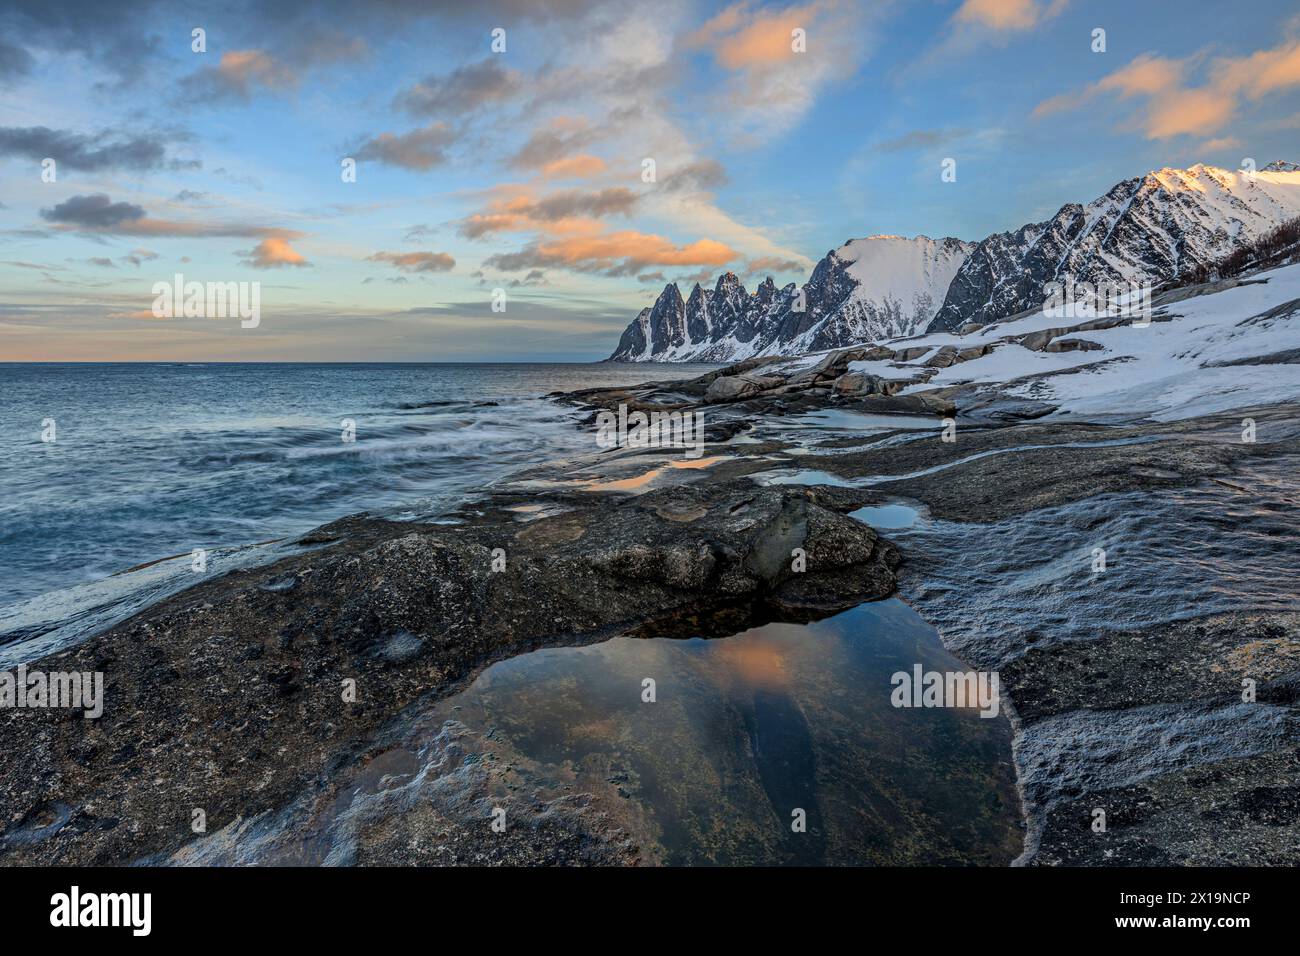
(231, 697)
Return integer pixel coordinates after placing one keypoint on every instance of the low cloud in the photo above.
(463, 90)
(273, 253)
(95, 211)
(85, 152)
(420, 149)
(416, 261)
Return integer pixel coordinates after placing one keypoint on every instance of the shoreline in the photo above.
(249, 663)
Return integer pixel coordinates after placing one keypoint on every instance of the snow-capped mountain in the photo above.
(878, 287)
(1149, 229)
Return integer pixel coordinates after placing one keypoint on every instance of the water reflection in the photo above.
(744, 731)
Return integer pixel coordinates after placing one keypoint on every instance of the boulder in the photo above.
(733, 388)
(1071, 345)
(915, 352)
(917, 403)
(943, 358)
(858, 384)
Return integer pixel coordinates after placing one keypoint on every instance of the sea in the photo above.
(107, 467)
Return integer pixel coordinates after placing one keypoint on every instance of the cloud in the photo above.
(272, 253)
(560, 211)
(773, 85)
(918, 139)
(740, 39)
(1008, 14)
(238, 74)
(416, 261)
(561, 138)
(82, 151)
(139, 256)
(14, 62)
(420, 149)
(102, 262)
(95, 211)
(1171, 107)
(1220, 143)
(764, 264)
(418, 232)
(581, 166)
(701, 175)
(188, 195)
(464, 90)
(534, 278)
(614, 254)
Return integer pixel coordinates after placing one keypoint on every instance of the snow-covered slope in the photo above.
(871, 288)
(1150, 229)
(1211, 352)
(899, 286)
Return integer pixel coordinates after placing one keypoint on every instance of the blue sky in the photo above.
(522, 169)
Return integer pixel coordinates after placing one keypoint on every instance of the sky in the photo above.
(528, 174)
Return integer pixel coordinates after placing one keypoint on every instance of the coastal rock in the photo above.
(736, 387)
(236, 697)
(858, 384)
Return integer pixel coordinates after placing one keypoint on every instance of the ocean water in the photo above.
(151, 461)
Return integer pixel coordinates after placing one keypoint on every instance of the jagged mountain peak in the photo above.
(1149, 228)
(729, 281)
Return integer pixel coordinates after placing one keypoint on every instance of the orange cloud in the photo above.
(239, 70)
(273, 253)
(1199, 112)
(565, 211)
(614, 253)
(582, 166)
(644, 247)
(1262, 72)
(741, 40)
(1146, 75)
(1007, 14)
(1174, 109)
